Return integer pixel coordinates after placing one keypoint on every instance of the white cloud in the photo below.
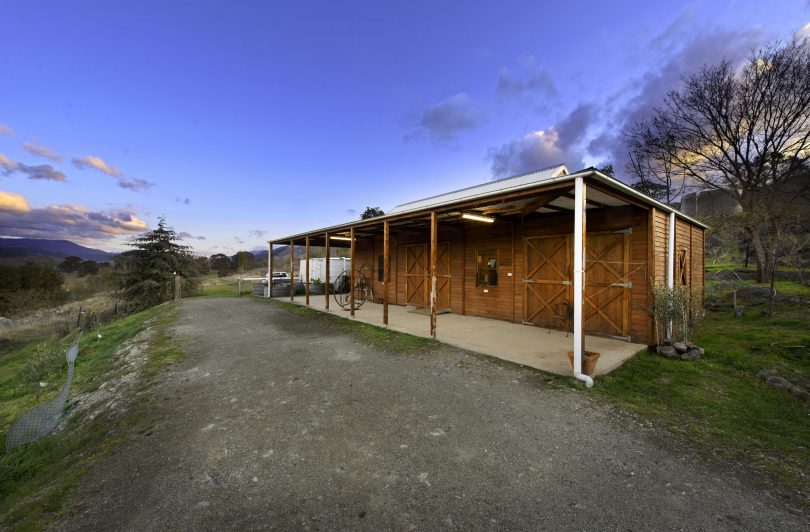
(91, 161)
(41, 151)
(12, 202)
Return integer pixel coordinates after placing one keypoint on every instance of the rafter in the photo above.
(541, 201)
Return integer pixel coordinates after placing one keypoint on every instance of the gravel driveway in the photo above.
(277, 420)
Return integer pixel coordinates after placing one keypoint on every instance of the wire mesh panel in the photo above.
(42, 419)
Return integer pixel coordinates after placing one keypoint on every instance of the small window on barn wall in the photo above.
(486, 268)
(380, 268)
(683, 274)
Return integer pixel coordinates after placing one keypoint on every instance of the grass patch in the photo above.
(35, 479)
(719, 403)
(379, 337)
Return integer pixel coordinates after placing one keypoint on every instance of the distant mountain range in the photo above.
(43, 248)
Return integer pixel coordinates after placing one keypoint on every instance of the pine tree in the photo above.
(153, 264)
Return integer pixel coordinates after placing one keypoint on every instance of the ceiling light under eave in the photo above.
(347, 238)
(477, 217)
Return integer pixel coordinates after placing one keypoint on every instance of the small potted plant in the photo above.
(315, 287)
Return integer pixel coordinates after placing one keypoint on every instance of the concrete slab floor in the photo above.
(543, 349)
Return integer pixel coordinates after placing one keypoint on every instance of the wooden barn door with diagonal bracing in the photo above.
(416, 272)
(547, 284)
(417, 276)
(607, 287)
(442, 277)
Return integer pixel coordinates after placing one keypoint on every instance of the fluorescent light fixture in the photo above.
(340, 238)
(477, 217)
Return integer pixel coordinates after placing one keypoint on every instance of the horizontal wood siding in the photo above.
(489, 301)
(660, 238)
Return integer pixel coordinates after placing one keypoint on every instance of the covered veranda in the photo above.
(535, 347)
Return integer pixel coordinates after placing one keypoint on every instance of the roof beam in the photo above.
(541, 201)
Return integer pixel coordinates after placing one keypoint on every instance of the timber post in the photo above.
(433, 245)
(292, 270)
(326, 281)
(386, 271)
(269, 269)
(351, 273)
(306, 264)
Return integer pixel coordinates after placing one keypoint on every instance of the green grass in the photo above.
(224, 288)
(719, 404)
(35, 479)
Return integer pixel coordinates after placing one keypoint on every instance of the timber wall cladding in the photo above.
(660, 242)
(506, 300)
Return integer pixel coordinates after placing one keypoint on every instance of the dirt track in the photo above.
(281, 421)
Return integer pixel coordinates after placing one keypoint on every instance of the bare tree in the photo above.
(653, 166)
(745, 131)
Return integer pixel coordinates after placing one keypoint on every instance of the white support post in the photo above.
(670, 262)
(579, 279)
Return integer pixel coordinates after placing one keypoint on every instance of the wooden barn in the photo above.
(516, 250)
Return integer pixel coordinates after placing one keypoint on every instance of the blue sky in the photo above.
(241, 121)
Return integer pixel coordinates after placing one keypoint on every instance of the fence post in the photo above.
(178, 287)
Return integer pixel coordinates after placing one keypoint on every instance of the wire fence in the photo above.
(226, 287)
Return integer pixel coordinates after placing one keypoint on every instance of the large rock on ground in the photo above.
(667, 351)
(681, 347)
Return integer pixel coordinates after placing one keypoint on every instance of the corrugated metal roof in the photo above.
(484, 189)
(555, 174)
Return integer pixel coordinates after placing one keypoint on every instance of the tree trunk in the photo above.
(761, 255)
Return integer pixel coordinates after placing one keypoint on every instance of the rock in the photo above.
(701, 351)
(667, 351)
(799, 392)
(680, 346)
(5, 323)
(692, 354)
(740, 311)
(777, 382)
(691, 345)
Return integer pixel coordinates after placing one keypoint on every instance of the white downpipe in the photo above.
(671, 261)
(579, 279)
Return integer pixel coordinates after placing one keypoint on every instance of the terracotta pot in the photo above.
(588, 361)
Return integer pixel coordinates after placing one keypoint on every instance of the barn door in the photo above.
(547, 284)
(416, 271)
(417, 275)
(443, 277)
(607, 288)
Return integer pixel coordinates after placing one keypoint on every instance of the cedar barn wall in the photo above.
(505, 301)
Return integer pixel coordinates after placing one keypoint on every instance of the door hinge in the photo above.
(629, 230)
(566, 282)
(524, 322)
(623, 285)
